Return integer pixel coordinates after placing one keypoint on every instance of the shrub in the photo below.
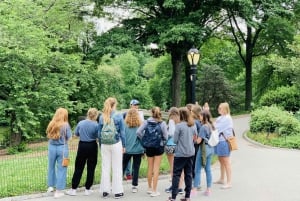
(274, 120)
(286, 97)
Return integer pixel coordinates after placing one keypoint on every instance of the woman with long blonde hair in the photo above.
(154, 154)
(58, 132)
(134, 148)
(112, 150)
(224, 124)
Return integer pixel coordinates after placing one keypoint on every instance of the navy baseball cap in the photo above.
(134, 102)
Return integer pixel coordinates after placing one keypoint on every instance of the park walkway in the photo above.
(259, 174)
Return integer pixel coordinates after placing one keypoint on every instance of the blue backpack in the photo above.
(152, 137)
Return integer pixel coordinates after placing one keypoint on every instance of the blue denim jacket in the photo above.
(120, 126)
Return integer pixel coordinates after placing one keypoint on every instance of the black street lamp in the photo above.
(193, 56)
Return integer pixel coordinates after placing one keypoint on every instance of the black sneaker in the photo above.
(119, 195)
(168, 190)
(180, 191)
(105, 195)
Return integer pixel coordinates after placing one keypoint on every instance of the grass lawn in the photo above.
(271, 139)
(26, 173)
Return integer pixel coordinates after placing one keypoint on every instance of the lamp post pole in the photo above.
(193, 56)
(193, 77)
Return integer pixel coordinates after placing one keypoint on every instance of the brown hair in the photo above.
(92, 114)
(196, 110)
(189, 106)
(156, 113)
(132, 118)
(109, 105)
(59, 119)
(206, 118)
(174, 114)
(185, 115)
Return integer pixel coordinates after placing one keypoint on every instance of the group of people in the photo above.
(183, 136)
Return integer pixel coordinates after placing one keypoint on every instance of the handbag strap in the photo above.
(224, 135)
(64, 136)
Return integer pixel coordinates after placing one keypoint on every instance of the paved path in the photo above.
(259, 174)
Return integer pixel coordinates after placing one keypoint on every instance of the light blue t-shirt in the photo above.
(87, 130)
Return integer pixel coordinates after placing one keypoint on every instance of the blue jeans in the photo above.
(198, 167)
(57, 174)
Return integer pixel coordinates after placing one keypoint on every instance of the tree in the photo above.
(214, 88)
(258, 25)
(39, 58)
(174, 25)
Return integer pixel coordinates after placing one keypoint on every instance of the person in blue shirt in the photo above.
(207, 152)
(134, 148)
(134, 104)
(112, 154)
(58, 132)
(170, 146)
(87, 152)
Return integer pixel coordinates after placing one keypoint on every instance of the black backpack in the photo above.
(152, 135)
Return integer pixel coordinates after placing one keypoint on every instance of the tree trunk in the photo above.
(176, 78)
(248, 66)
(248, 82)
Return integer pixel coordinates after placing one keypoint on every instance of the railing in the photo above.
(27, 172)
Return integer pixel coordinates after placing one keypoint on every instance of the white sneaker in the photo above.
(50, 189)
(58, 194)
(71, 192)
(155, 194)
(88, 192)
(134, 189)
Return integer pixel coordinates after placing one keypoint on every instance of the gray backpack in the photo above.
(109, 132)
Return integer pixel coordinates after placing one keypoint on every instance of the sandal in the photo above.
(219, 182)
(207, 193)
(226, 186)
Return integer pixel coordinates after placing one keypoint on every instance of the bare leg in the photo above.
(227, 165)
(156, 165)
(181, 180)
(171, 161)
(222, 171)
(150, 172)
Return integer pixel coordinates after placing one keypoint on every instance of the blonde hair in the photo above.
(156, 113)
(225, 107)
(59, 119)
(109, 105)
(174, 114)
(132, 118)
(92, 114)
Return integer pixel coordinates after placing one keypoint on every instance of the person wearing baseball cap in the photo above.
(133, 104)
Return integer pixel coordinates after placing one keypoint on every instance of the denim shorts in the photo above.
(222, 149)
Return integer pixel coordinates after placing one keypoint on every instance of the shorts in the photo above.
(222, 149)
(150, 152)
(170, 149)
